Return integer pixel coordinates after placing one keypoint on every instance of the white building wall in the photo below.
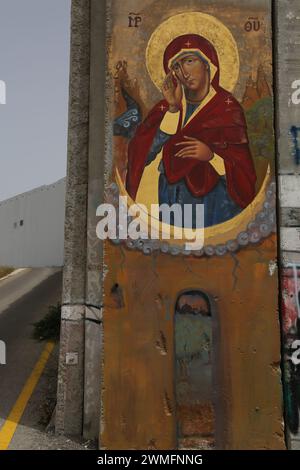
(32, 227)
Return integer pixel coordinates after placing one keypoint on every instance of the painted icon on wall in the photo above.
(199, 133)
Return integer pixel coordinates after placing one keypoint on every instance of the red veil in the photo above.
(220, 124)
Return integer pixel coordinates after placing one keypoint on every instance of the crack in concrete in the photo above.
(236, 266)
(189, 269)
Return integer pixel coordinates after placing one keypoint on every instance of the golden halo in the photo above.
(194, 23)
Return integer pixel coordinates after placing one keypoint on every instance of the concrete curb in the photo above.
(13, 273)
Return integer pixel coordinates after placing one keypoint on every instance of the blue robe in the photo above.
(218, 205)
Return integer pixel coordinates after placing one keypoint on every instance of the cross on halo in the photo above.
(188, 44)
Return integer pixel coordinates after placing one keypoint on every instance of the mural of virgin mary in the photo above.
(200, 131)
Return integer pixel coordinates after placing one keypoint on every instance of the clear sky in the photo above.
(34, 63)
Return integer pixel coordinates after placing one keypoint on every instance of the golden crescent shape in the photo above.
(217, 234)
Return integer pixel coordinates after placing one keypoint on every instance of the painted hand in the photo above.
(194, 148)
(172, 93)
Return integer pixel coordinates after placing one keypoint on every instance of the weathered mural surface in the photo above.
(194, 391)
(192, 120)
(189, 334)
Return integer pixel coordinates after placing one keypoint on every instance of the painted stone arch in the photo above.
(194, 338)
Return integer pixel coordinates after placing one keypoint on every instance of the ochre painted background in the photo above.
(139, 303)
(140, 292)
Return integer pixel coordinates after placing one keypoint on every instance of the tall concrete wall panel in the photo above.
(287, 26)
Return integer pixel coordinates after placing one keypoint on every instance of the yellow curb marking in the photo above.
(9, 427)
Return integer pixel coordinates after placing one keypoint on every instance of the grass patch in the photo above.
(48, 328)
(5, 270)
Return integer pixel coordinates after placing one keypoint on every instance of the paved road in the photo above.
(24, 299)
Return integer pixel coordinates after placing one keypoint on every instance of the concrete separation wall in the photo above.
(32, 227)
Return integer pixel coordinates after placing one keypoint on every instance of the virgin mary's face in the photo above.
(191, 71)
